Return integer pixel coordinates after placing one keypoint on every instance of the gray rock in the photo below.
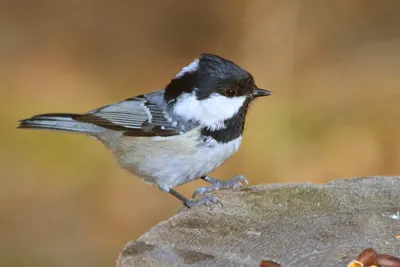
(292, 224)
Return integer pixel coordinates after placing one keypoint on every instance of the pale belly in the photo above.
(172, 161)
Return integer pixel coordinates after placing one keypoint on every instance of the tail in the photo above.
(64, 122)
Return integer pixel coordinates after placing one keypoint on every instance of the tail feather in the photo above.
(60, 122)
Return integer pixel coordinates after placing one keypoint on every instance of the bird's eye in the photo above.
(230, 92)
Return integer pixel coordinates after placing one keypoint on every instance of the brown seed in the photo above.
(385, 260)
(269, 264)
(367, 256)
(355, 264)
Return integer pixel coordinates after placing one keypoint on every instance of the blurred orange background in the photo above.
(333, 67)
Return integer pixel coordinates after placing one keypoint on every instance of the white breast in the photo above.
(175, 160)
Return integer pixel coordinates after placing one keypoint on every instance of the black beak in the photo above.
(261, 92)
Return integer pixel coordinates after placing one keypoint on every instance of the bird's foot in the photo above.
(190, 203)
(235, 183)
(205, 200)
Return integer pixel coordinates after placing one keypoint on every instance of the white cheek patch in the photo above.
(210, 112)
(192, 67)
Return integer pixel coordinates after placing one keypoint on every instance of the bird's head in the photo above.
(211, 90)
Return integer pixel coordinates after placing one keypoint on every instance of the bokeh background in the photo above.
(334, 68)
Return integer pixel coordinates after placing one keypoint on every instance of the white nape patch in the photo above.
(210, 112)
(192, 67)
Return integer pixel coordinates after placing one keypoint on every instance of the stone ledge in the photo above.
(292, 224)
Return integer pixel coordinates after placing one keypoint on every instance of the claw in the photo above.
(234, 183)
(243, 179)
(222, 205)
(200, 191)
(206, 200)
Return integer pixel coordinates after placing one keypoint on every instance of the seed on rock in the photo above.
(385, 260)
(367, 256)
(269, 264)
(355, 264)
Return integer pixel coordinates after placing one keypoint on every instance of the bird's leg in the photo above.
(234, 183)
(206, 200)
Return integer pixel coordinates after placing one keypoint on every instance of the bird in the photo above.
(175, 135)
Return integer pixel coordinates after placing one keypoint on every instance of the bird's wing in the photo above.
(135, 117)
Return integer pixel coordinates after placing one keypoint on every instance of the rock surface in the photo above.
(292, 224)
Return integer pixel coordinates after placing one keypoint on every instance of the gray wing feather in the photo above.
(136, 117)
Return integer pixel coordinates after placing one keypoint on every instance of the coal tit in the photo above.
(178, 134)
